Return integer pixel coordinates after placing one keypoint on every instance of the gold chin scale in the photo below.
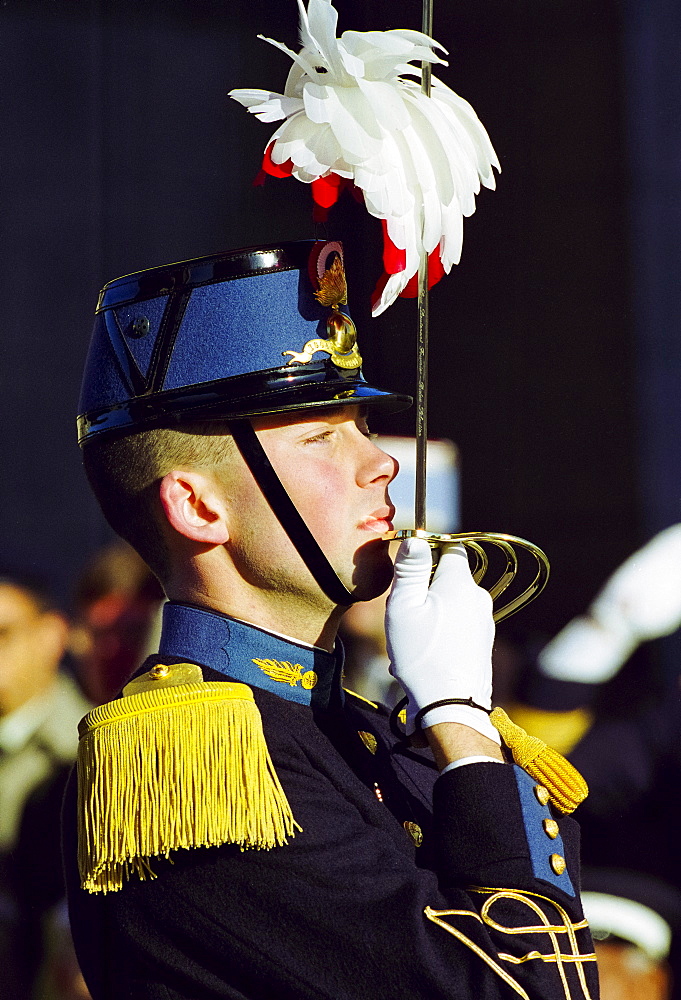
(477, 542)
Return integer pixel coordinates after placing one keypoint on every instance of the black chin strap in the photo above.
(257, 461)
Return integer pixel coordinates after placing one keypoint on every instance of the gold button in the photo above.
(414, 831)
(160, 670)
(558, 863)
(308, 680)
(542, 794)
(369, 740)
(551, 828)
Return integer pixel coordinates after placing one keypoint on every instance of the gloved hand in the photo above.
(440, 638)
(640, 601)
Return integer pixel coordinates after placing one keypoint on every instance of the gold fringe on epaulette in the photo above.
(178, 767)
(564, 783)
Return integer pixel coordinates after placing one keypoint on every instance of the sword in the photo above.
(422, 342)
(477, 542)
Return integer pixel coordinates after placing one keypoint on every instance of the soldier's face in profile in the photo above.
(338, 479)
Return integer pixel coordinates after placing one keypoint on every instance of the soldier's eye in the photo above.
(319, 438)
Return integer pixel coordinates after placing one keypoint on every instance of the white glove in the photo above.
(440, 638)
(640, 601)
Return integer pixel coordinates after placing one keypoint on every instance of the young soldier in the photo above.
(247, 829)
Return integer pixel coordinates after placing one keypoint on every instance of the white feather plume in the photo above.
(351, 112)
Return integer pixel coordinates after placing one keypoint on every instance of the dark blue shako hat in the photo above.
(235, 334)
(230, 336)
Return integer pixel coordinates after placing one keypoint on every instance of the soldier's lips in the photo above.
(380, 521)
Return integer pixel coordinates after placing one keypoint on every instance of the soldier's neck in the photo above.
(283, 614)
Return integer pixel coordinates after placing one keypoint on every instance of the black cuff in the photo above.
(418, 718)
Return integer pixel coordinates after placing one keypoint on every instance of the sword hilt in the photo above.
(475, 542)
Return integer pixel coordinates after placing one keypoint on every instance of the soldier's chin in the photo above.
(373, 571)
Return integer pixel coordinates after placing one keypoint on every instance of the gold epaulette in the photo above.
(565, 784)
(177, 762)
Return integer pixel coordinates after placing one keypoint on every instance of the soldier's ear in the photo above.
(194, 507)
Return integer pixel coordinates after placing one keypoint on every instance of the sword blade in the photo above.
(422, 344)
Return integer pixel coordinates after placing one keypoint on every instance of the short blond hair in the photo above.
(125, 473)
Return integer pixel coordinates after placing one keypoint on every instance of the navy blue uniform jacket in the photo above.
(350, 908)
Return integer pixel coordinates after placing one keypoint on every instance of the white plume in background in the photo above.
(351, 117)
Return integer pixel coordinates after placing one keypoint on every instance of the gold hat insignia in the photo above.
(341, 343)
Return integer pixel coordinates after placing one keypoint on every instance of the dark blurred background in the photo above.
(555, 343)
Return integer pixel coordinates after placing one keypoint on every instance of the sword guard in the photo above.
(474, 542)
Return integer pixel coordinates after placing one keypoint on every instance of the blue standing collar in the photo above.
(304, 674)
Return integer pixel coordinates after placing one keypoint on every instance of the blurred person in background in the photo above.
(117, 600)
(40, 707)
(634, 921)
